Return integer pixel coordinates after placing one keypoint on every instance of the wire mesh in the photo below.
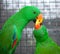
(51, 13)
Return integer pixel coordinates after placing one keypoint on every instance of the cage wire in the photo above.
(51, 13)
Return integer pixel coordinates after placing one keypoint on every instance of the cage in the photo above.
(51, 13)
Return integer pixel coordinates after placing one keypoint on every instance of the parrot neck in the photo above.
(40, 40)
(48, 41)
(21, 25)
(20, 22)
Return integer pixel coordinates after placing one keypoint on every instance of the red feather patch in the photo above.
(14, 43)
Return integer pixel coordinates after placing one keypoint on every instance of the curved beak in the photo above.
(39, 21)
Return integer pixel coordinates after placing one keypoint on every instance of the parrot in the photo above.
(44, 43)
(11, 32)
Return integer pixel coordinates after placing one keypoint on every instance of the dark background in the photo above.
(51, 13)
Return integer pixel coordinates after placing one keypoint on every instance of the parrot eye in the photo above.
(34, 12)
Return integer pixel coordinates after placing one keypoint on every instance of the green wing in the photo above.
(8, 37)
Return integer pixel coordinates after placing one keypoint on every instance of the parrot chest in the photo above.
(48, 47)
(47, 50)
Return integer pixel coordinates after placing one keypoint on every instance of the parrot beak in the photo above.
(39, 21)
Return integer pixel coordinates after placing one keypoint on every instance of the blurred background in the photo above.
(51, 14)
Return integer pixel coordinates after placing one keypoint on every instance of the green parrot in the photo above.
(11, 32)
(44, 43)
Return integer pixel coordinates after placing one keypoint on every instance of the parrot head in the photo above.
(40, 34)
(33, 13)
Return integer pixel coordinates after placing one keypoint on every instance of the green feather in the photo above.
(16, 23)
(44, 43)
